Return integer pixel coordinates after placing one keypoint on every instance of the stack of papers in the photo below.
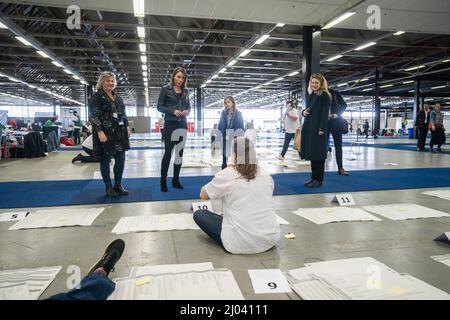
(162, 222)
(443, 194)
(334, 214)
(405, 211)
(58, 218)
(177, 282)
(358, 279)
(26, 284)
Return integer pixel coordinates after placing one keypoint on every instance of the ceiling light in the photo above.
(232, 63)
(2, 26)
(444, 61)
(139, 8)
(141, 32)
(280, 25)
(57, 64)
(214, 76)
(339, 19)
(76, 77)
(415, 68)
(67, 71)
(387, 86)
(262, 38)
(334, 58)
(342, 84)
(408, 82)
(208, 81)
(438, 87)
(223, 70)
(411, 91)
(244, 53)
(144, 59)
(279, 79)
(368, 89)
(43, 54)
(142, 47)
(365, 46)
(145, 74)
(293, 74)
(24, 41)
(399, 33)
(84, 82)
(144, 67)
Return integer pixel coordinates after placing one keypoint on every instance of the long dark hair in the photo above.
(174, 73)
(245, 154)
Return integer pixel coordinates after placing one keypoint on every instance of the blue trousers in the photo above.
(96, 286)
(210, 223)
(119, 165)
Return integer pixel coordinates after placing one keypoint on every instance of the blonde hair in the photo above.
(245, 156)
(323, 84)
(101, 78)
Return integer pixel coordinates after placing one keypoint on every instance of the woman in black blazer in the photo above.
(231, 125)
(174, 103)
(314, 131)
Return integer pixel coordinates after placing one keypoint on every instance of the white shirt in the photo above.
(87, 143)
(251, 135)
(289, 124)
(249, 220)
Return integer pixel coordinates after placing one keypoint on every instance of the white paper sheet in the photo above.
(443, 194)
(218, 284)
(335, 214)
(281, 220)
(12, 216)
(268, 281)
(162, 222)
(405, 211)
(445, 259)
(193, 164)
(15, 292)
(170, 268)
(54, 218)
(134, 161)
(37, 279)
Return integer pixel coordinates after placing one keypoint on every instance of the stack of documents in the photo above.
(358, 279)
(177, 282)
(26, 284)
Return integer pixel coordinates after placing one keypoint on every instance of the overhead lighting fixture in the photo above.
(223, 70)
(57, 64)
(263, 38)
(412, 91)
(387, 86)
(334, 58)
(144, 59)
(364, 79)
(408, 82)
(267, 83)
(280, 25)
(399, 33)
(244, 53)
(339, 19)
(76, 77)
(141, 32)
(438, 87)
(144, 67)
(444, 61)
(84, 82)
(215, 76)
(144, 73)
(232, 63)
(43, 54)
(342, 84)
(368, 89)
(293, 74)
(67, 71)
(415, 68)
(208, 81)
(365, 46)
(2, 26)
(139, 8)
(24, 41)
(142, 47)
(279, 79)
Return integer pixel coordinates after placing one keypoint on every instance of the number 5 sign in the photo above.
(344, 199)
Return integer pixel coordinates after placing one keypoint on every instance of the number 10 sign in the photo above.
(344, 199)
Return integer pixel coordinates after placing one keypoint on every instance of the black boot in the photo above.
(176, 183)
(110, 192)
(164, 185)
(121, 190)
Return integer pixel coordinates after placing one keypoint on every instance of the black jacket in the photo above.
(420, 120)
(168, 102)
(338, 106)
(313, 145)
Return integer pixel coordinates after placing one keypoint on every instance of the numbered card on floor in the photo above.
(344, 199)
(269, 281)
(203, 205)
(13, 216)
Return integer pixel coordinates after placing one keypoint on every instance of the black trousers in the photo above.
(171, 131)
(337, 139)
(317, 169)
(90, 158)
(423, 131)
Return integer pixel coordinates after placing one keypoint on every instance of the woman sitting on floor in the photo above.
(249, 224)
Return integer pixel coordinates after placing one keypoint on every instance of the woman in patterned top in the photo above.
(110, 132)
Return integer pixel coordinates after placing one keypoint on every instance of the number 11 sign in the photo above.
(344, 199)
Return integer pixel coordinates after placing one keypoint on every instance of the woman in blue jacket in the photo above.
(231, 125)
(174, 103)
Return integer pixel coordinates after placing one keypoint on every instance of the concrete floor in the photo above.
(406, 246)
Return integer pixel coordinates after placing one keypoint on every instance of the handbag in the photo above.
(343, 125)
(298, 139)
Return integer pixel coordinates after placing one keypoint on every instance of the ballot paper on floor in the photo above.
(334, 214)
(268, 281)
(134, 161)
(444, 237)
(405, 211)
(162, 222)
(216, 284)
(193, 164)
(37, 280)
(12, 216)
(358, 279)
(53, 218)
(281, 220)
(443, 194)
(170, 268)
(445, 259)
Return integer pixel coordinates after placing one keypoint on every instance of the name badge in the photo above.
(121, 123)
(115, 115)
